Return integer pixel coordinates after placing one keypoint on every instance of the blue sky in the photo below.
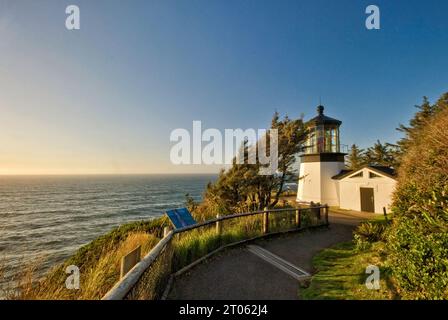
(104, 99)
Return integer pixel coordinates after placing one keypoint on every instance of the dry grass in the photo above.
(2, 278)
(21, 284)
(102, 276)
(95, 279)
(2, 270)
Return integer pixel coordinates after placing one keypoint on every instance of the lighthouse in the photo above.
(321, 160)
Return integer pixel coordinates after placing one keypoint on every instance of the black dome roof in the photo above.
(323, 119)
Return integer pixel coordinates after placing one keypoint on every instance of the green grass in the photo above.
(197, 243)
(341, 274)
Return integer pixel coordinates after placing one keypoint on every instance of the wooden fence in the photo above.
(180, 249)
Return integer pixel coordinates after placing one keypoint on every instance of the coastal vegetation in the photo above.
(98, 262)
(418, 236)
(380, 154)
(241, 188)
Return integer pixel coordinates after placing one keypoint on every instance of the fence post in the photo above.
(298, 220)
(218, 225)
(326, 215)
(166, 230)
(266, 221)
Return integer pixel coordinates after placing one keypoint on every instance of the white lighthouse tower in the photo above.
(320, 161)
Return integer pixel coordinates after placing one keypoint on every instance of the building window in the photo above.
(373, 175)
(358, 175)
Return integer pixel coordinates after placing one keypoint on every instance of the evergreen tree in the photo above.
(356, 158)
(380, 155)
(242, 188)
(425, 113)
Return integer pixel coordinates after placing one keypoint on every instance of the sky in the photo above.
(105, 98)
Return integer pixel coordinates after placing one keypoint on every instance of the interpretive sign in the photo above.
(180, 218)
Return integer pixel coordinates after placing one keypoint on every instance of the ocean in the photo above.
(50, 217)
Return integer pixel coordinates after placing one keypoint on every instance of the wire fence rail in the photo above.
(180, 249)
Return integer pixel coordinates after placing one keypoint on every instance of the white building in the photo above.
(324, 179)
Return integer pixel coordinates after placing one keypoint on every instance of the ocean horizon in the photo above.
(49, 217)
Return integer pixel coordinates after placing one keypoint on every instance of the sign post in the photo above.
(129, 261)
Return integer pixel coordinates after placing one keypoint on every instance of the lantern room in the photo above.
(323, 134)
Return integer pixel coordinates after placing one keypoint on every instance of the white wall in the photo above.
(329, 191)
(309, 182)
(316, 184)
(350, 196)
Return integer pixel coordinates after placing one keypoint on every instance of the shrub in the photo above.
(418, 238)
(418, 253)
(368, 233)
(306, 218)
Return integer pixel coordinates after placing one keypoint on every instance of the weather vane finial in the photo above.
(320, 107)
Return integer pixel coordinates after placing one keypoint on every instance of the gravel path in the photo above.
(240, 275)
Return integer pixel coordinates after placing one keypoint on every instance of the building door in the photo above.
(367, 200)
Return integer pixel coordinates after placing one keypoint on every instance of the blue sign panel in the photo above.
(180, 218)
